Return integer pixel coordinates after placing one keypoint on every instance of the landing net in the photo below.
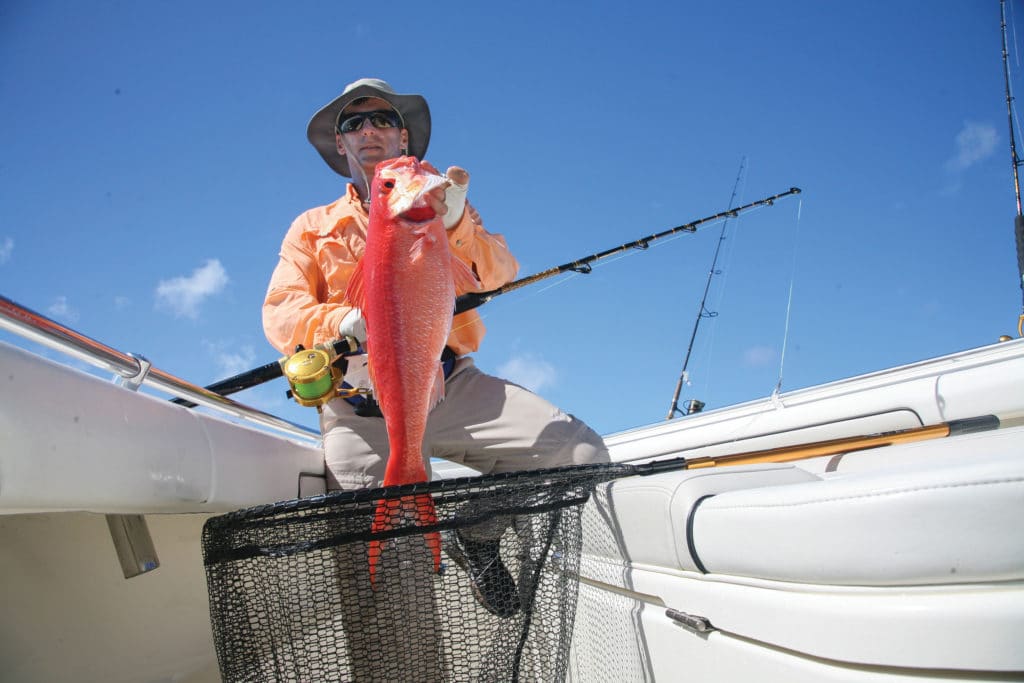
(291, 597)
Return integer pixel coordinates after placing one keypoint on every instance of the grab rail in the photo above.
(131, 368)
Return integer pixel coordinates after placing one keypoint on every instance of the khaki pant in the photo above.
(484, 422)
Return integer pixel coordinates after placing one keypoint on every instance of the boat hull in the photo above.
(70, 615)
(895, 563)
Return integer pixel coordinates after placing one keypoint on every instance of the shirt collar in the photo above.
(352, 197)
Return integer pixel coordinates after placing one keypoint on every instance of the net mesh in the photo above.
(608, 645)
(292, 596)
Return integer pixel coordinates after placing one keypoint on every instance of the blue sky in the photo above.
(154, 154)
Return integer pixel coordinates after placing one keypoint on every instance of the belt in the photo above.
(366, 406)
(448, 359)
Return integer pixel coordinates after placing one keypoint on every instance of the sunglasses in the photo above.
(350, 123)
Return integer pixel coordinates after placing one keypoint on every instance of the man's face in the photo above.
(369, 145)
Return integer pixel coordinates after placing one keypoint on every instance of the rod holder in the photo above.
(134, 545)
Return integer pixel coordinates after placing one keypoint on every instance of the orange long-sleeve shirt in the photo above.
(305, 301)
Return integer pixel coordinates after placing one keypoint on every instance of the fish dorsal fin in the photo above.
(465, 279)
(354, 293)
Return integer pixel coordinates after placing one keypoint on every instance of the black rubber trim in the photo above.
(689, 533)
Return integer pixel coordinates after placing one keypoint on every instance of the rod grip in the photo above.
(659, 466)
(232, 385)
(972, 425)
(471, 300)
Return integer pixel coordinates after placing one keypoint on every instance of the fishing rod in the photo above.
(313, 373)
(1018, 223)
(472, 300)
(695, 406)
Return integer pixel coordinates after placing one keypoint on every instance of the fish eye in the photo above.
(388, 185)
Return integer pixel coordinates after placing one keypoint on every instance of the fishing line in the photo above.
(789, 305)
(572, 275)
(1016, 56)
(702, 312)
(730, 249)
(1016, 45)
(520, 299)
(663, 240)
(472, 300)
(565, 279)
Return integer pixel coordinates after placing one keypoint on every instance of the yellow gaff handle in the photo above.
(851, 443)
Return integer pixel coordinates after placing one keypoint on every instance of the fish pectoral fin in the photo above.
(371, 369)
(424, 240)
(355, 293)
(465, 279)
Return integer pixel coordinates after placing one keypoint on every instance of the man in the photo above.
(484, 422)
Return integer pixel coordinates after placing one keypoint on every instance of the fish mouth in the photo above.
(418, 214)
(408, 200)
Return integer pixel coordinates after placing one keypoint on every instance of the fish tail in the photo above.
(389, 513)
(426, 514)
(383, 519)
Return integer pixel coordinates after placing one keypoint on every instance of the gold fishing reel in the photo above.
(315, 374)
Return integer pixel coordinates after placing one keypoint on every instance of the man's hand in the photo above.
(455, 196)
(458, 175)
(353, 325)
(436, 196)
(450, 202)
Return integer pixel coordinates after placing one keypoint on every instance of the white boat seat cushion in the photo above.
(951, 514)
(648, 515)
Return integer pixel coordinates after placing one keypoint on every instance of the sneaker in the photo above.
(492, 584)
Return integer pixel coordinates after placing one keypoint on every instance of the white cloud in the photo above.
(528, 371)
(270, 398)
(974, 142)
(184, 295)
(121, 302)
(231, 359)
(60, 310)
(6, 249)
(759, 356)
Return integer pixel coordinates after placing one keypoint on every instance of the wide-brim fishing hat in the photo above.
(413, 109)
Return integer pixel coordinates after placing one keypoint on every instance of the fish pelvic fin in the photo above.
(437, 390)
(388, 515)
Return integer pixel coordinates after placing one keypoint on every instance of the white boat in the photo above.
(867, 529)
(868, 562)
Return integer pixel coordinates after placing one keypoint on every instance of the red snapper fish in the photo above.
(405, 286)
